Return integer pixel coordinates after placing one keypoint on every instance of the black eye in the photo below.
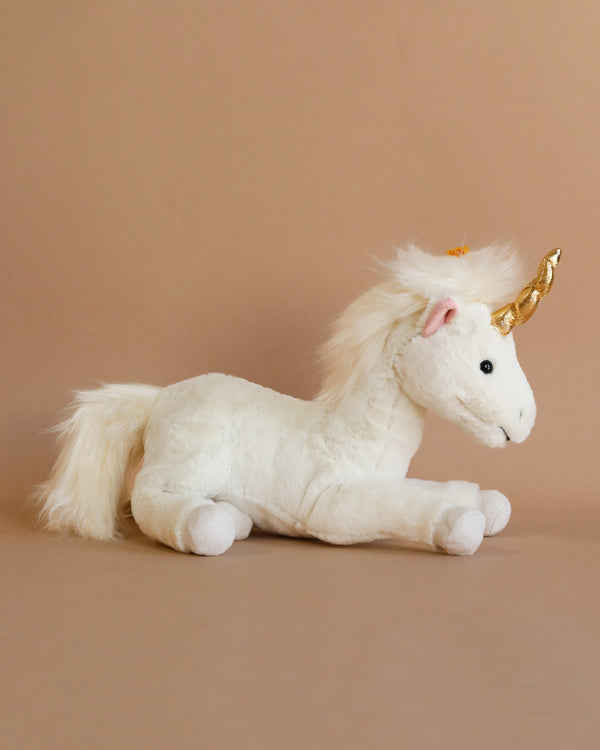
(486, 366)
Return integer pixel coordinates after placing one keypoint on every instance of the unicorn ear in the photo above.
(442, 313)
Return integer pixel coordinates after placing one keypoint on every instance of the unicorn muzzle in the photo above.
(517, 430)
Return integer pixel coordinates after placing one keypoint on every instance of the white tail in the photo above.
(102, 434)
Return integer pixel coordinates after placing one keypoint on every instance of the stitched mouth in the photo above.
(481, 421)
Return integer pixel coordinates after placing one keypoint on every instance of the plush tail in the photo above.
(101, 435)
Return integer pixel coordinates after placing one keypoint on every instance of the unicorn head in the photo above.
(435, 327)
(462, 363)
(464, 370)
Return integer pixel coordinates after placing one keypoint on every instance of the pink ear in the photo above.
(441, 314)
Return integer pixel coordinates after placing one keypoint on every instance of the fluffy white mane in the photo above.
(492, 276)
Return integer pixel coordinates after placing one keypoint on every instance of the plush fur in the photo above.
(221, 454)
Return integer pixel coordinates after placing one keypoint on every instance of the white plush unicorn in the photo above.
(219, 454)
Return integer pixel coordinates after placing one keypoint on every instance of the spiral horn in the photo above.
(519, 311)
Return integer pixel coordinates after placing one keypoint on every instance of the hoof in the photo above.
(241, 522)
(460, 531)
(209, 530)
(496, 509)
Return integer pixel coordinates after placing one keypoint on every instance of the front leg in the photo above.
(493, 504)
(404, 510)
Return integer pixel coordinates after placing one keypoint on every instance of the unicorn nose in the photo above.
(522, 425)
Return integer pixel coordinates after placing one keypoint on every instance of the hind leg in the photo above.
(186, 522)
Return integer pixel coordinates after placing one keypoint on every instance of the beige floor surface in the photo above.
(287, 643)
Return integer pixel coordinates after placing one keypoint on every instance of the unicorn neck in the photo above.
(382, 427)
(387, 423)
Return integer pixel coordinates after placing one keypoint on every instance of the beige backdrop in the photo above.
(201, 186)
(189, 187)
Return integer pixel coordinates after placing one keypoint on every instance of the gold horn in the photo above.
(519, 311)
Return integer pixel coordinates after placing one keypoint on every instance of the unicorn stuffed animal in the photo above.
(220, 454)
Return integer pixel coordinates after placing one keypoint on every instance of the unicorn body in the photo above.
(220, 454)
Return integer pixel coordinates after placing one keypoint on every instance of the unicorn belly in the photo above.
(225, 438)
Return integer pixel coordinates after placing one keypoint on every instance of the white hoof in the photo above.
(496, 509)
(241, 522)
(460, 531)
(209, 530)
